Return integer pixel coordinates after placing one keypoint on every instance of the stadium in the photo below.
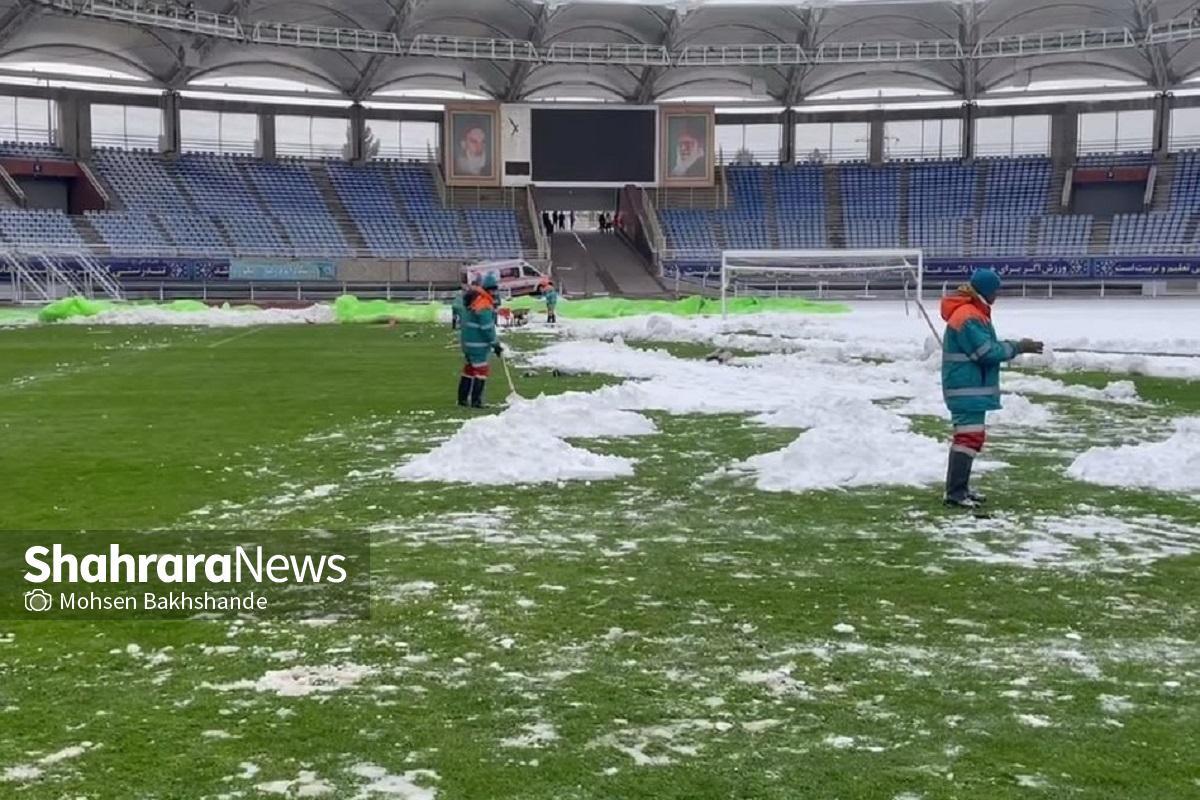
(827, 418)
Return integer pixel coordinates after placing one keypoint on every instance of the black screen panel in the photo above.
(593, 145)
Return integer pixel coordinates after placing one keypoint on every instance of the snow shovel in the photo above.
(513, 396)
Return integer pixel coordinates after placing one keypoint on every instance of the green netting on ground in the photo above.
(70, 307)
(610, 307)
(349, 308)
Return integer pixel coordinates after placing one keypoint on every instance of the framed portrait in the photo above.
(471, 144)
(687, 154)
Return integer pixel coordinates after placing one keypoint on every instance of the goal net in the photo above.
(823, 272)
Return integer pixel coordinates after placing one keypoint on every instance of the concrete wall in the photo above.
(441, 272)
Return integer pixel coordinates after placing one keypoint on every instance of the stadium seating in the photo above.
(1148, 233)
(1063, 235)
(34, 228)
(800, 207)
(1016, 187)
(290, 194)
(996, 207)
(226, 206)
(1001, 235)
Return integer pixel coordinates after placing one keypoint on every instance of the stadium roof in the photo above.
(607, 49)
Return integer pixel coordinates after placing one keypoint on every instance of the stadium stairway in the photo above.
(624, 265)
(902, 198)
(341, 214)
(834, 230)
(87, 231)
(576, 269)
(1101, 235)
(1164, 178)
(273, 221)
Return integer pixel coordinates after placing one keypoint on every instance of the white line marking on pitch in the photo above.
(235, 337)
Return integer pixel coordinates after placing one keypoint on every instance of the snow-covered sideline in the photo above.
(214, 317)
(1171, 465)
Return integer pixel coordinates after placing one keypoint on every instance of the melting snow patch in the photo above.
(1081, 542)
(404, 786)
(1034, 720)
(664, 740)
(21, 773)
(1172, 465)
(537, 734)
(305, 784)
(778, 682)
(302, 681)
(1114, 704)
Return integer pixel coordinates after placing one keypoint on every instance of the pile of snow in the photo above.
(514, 447)
(844, 456)
(1171, 465)
(1016, 411)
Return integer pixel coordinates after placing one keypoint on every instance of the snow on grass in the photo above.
(1035, 721)
(830, 392)
(537, 734)
(23, 773)
(306, 784)
(660, 745)
(777, 682)
(302, 681)
(1115, 704)
(1170, 465)
(1084, 541)
(406, 786)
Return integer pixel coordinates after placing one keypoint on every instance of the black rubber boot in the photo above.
(958, 478)
(477, 393)
(464, 390)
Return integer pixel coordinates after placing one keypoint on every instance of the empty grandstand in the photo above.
(347, 167)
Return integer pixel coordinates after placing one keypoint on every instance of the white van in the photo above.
(517, 276)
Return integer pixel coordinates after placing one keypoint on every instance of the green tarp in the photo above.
(349, 308)
(612, 307)
(70, 307)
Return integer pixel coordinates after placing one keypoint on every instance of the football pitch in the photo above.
(691, 626)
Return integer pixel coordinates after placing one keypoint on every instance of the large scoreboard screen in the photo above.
(593, 145)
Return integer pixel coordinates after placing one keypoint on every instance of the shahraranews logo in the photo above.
(239, 566)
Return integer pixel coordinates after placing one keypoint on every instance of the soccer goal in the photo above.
(826, 272)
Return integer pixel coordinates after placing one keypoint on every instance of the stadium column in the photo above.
(358, 133)
(1162, 124)
(1064, 136)
(787, 144)
(266, 136)
(968, 131)
(74, 124)
(170, 141)
(875, 148)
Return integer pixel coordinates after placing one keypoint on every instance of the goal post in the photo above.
(763, 271)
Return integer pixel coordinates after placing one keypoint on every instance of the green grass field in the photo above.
(675, 635)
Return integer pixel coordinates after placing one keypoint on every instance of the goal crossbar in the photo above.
(827, 262)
